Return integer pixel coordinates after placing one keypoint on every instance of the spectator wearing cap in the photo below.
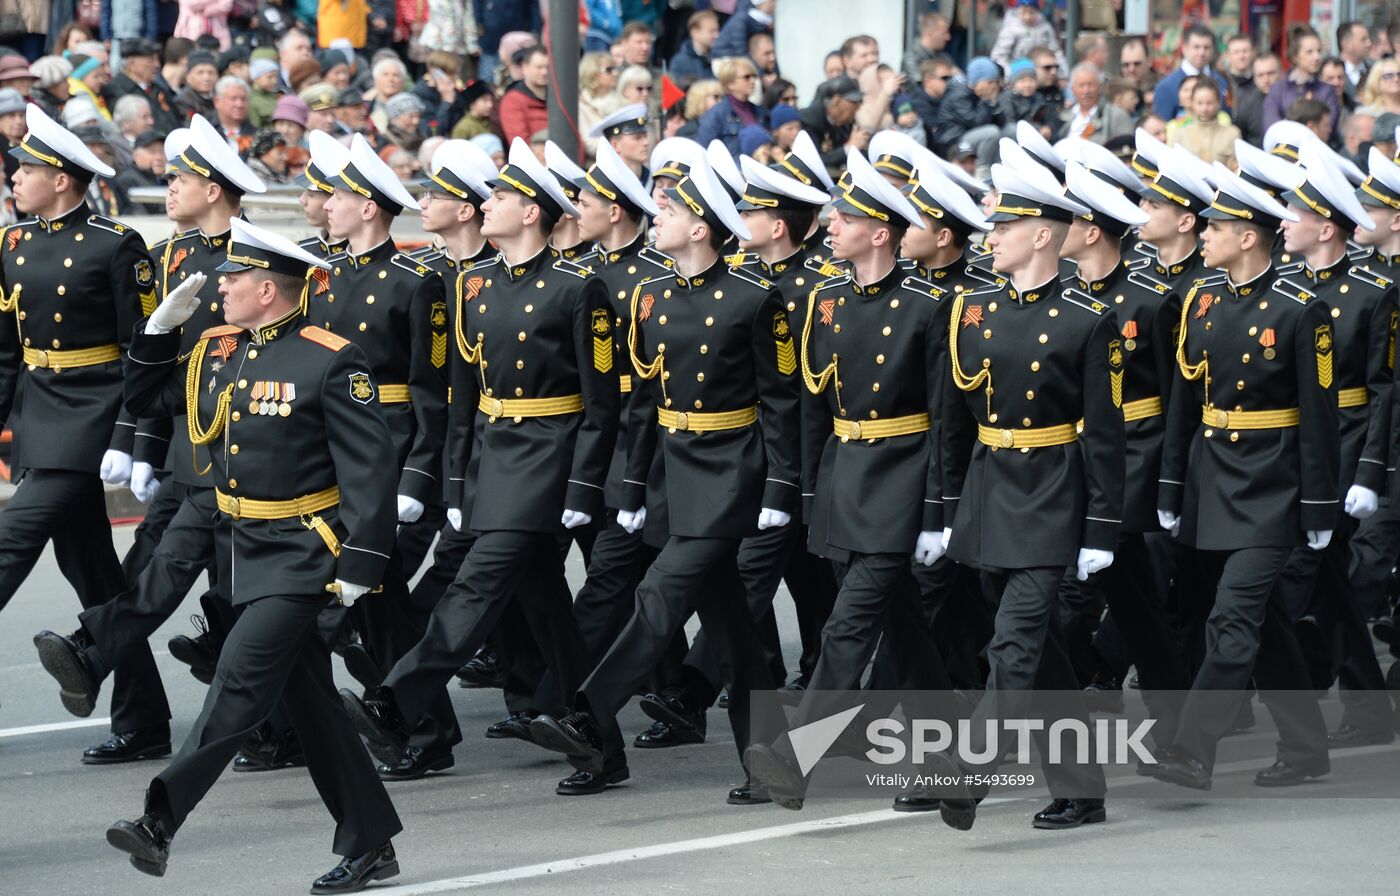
(750, 17)
(830, 120)
(140, 76)
(692, 60)
(335, 68)
(201, 17)
(234, 61)
(1302, 81)
(197, 96)
(352, 114)
(1383, 133)
(1020, 101)
(267, 157)
(480, 104)
(405, 115)
(724, 121)
(50, 90)
(1090, 118)
(969, 113)
(523, 108)
(390, 76)
(597, 98)
(147, 169)
(289, 119)
(493, 147)
(321, 100)
(15, 74)
(132, 116)
(784, 124)
(12, 127)
(927, 92)
(907, 121)
(231, 113)
(90, 76)
(756, 142)
(262, 98)
(1023, 29)
(495, 21)
(102, 193)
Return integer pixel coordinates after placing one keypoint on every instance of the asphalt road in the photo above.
(494, 825)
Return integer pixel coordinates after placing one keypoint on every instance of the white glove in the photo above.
(947, 537)
(1318, 539)
(928, 548)
(116, 467)
(772, 519)
(144, 482)
(632, 520)
(572, 519)
(1169, 521)
(1092, 561)
(410, 509)
(1361, 502)
(178, 307)
(350, 592)
(454, 516)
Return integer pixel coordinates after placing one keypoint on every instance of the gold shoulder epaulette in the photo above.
(569, 266)
(736, 259)
(745, 274)
(216, 332)
(412, 265)
(1293, 290)
(657, 257)
(1147, 281)
(1083, 300)
(324, 338)
(107, 224)
(824, 267)
(1368, 276)
(923, 287)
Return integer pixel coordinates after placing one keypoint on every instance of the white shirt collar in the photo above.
(1191, 70)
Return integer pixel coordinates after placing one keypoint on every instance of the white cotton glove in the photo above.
(1169, 521)
(410, 509)
(1092, 561)
(1361, 502)
(350, 592)
(947, 537)
(632, 520)
(1318, 539)
(144, 482)
(454, 516)
(178, 307)
(772, 519)
(116, 467)
(928, 548)
(572, 519)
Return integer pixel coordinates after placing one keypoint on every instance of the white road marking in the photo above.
(54, 726)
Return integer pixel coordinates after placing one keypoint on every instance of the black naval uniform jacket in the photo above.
(328, 431)
(870, 354)
(1266, 345)
(1364, 316)
(396, 312)
(322, 247)
(1147, 312)
(164, 442)
(717, 342)
(536, 330)
(1025, 360)
(76, 282)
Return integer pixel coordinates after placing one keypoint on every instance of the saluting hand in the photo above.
(179, 306)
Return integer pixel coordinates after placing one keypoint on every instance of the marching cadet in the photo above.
(1175, 200)
(708, 346)
(1147, 311)
(1364, 311)
(1029, 138)
(892, 154)
(395, 310)
(207, 185)
(670, 163)
(1147, 155)
(565, 242)
(1034, 495)
(534, 373)
(304, 510)
(804, 164)
(72, 285)
(1247, 478)
(869, 456)
(777, 210)
(328, 156)
(627, 131)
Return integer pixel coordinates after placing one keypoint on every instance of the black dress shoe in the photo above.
(583, 783)
(200, 653)
(1288, 774)
(1351, 736)
(63, 658)
(957, 801)
(129, 746)
(1064, 814)
(415, 764)
(1177, 768)
(1385, 630)
(1145, 768)
(575, 735)
(482, 671)
(267, 754)
(379, 723)
(145, 841)
(770, 769)
(1103, 695)
(749, 794)
(661, 735)
(355, 873)
(362, 667)
(915, 799)
(515, 725)
(688, 724)
(723, 701)
(1134, 682)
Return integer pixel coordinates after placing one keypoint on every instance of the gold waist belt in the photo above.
(1040, 437)
(1353, 398)
(698, 422)
(246, 508)
(626, 383)
(529, 407)
(880, 429)
(80, 357)
(1142, 408)
(1281, 419)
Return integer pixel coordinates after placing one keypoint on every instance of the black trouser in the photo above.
(690, 575)
(812, 584)
(1027, 652)
(151, 529)
(273, 654)
(955, 609)
(1248, 632)
(69, 509)
(498, 564)
(1375, 548)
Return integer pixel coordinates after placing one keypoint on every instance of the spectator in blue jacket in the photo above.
(750, 17)
(692, 60)
(604, 25)
(738, 76)
(1197, 50)
(494, 20)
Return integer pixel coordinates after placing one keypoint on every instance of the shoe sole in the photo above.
(616, 777)
(197, 661)
(135, 848)
(384, 747)
(1376, 740)
(548, 734)
(388, 871)
(681, 741)
(958, 813)
(660, 712)
(1096, 817)
(928, 806)
(161, 752)
(784, 787)
(751, 801)
(1189, 783)
(1297, 782)
(297, 762)
(440, 765)
(74, 693)
(468, 679)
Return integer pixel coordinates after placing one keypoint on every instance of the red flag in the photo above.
(670, 93)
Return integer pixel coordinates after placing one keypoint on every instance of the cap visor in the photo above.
(233, 267)
(1367, 199)
(27, 158)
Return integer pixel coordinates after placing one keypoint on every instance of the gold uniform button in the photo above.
(242, 384)
(987, 333)
(631, 269)
(1054, 312)
(237, 416)
(704, 349)
(800, 281)
(480, 309)
(1245, 358)
(67, 262)
(539, 284)
(57, 318)
(252, 353)
(233, 449)
(622, 293)
(792, 306)
(879, 359)
(1118, 300)
(519, 391)
(1025, 421)
(665, 294)
(521, 336)
(699, 404)
(213, 306)
(529, 309)
(519, 365)
(992, 308)
(1209, 433)
(886, 331)
(369, 300)
(874, 387)
(363, 326)
(709, 321)
(1234, 437)
(1030, 395)
(992, 417)
(894, 303)
(1240, 385)
(1253, 331)
(1035, 366)
(79, 237)
(836, 328)
(62, 290)
(719, 294)
(19, 260)
(382, 274)
(1044, 338)
(1263, 306)
(700, 377)
(841, 300)
(337, 271)
(1336, 312)
(55, 343)
(661, 320)
(233, 483)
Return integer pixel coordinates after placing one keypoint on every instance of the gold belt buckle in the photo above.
(1217, 417)
(1008, 438)
(682, 421)
(854, 431)
(43, 358)
(237, 507)
(495, 407)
